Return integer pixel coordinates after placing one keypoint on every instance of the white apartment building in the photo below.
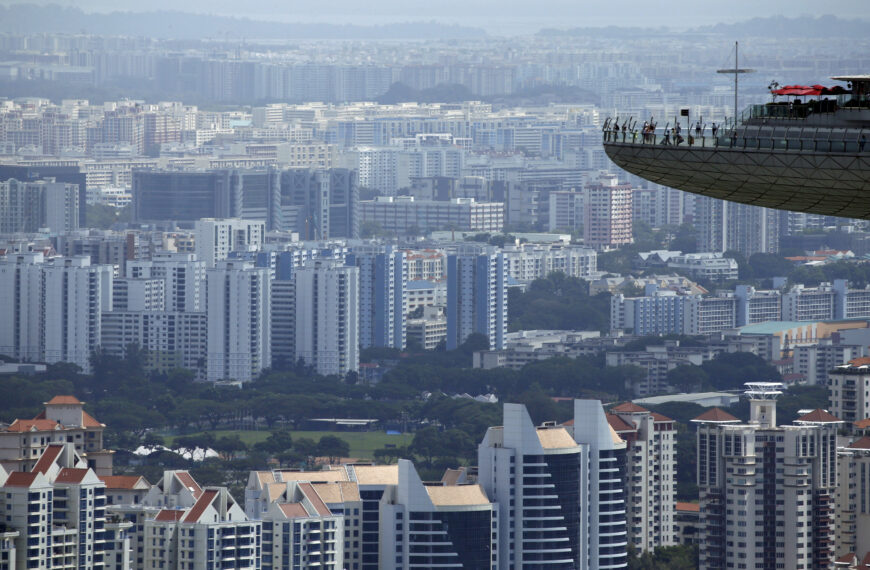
(757, 306)
(51, 310)
(704, 315)
(814, 361)
(710, 266)
(849, 390)
(851, 510)
(808, 303)
(29, 207)
(403, 214)
(766, 491)
(566, 210)
(532, 471)
(650, 482)
(283, 307)
(62, 421)
(183, 276)
(214, 532)
(424, 293)
(239, 321)
(171, 339)
(527, 262)
(130, 294)
(59, 511)
(327, 316)
(216, 238)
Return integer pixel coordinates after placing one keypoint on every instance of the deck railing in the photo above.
(796, 139)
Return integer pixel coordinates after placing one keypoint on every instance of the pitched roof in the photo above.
(20, 479)
(862, 424)
(71, 475)
(48, 458)
(318, 504)
(126, 482)
(188, 481)
(628, 408)
(618, 424)
(860, 361)
(38, 424)
(200, 506)
(89, 421)
(818, 416)
(340, 492)
(293, 510)
(657, 417)
(716, 415)
(863, 443)
(555, 438)
(63, 401)
(690, 507)
(169, 515)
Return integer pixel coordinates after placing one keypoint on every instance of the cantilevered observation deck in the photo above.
(808, 157)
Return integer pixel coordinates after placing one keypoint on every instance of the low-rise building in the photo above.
(63, 420)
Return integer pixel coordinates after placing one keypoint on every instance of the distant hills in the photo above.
(31, 19)
(827, 26)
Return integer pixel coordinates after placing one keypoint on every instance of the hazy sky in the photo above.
(496, 15)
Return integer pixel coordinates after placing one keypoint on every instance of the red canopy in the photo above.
(814, 90)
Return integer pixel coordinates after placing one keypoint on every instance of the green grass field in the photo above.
(362, 443)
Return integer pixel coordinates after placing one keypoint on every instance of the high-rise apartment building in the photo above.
(51, 310)
(724, 226)
(28, 207)
(183, 277)
(215, 239)
(476, 296)
(437, 525)
(383, 280)
(58, 511)
(849, 390)
(239, 325)
(559, 489)
(766, 491)
(327, 316)
(650, 482)
(607, 216)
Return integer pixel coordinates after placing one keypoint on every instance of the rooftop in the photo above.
(457, 495)
(555, 438)
(818, 416)
(716, 415)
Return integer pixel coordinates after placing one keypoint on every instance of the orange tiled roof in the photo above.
(20, 479)
(47, 459)
(63, 401)
(629, 408)
(862, 424)
(863, 443)
(34, 425)
(618, 424)
(167, 515)
(128, 482)
(200, 506)
(716, 415)
(71, 475)
(819, 416)
(661, 417)
(293, 510)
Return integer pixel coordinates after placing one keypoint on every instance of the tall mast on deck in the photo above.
(736, 71)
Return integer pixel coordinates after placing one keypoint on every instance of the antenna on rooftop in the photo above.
(736, 71)
(762, 402)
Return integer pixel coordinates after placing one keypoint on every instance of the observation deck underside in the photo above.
(828, 183)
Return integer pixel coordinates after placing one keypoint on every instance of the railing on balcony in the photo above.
(745, 137)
